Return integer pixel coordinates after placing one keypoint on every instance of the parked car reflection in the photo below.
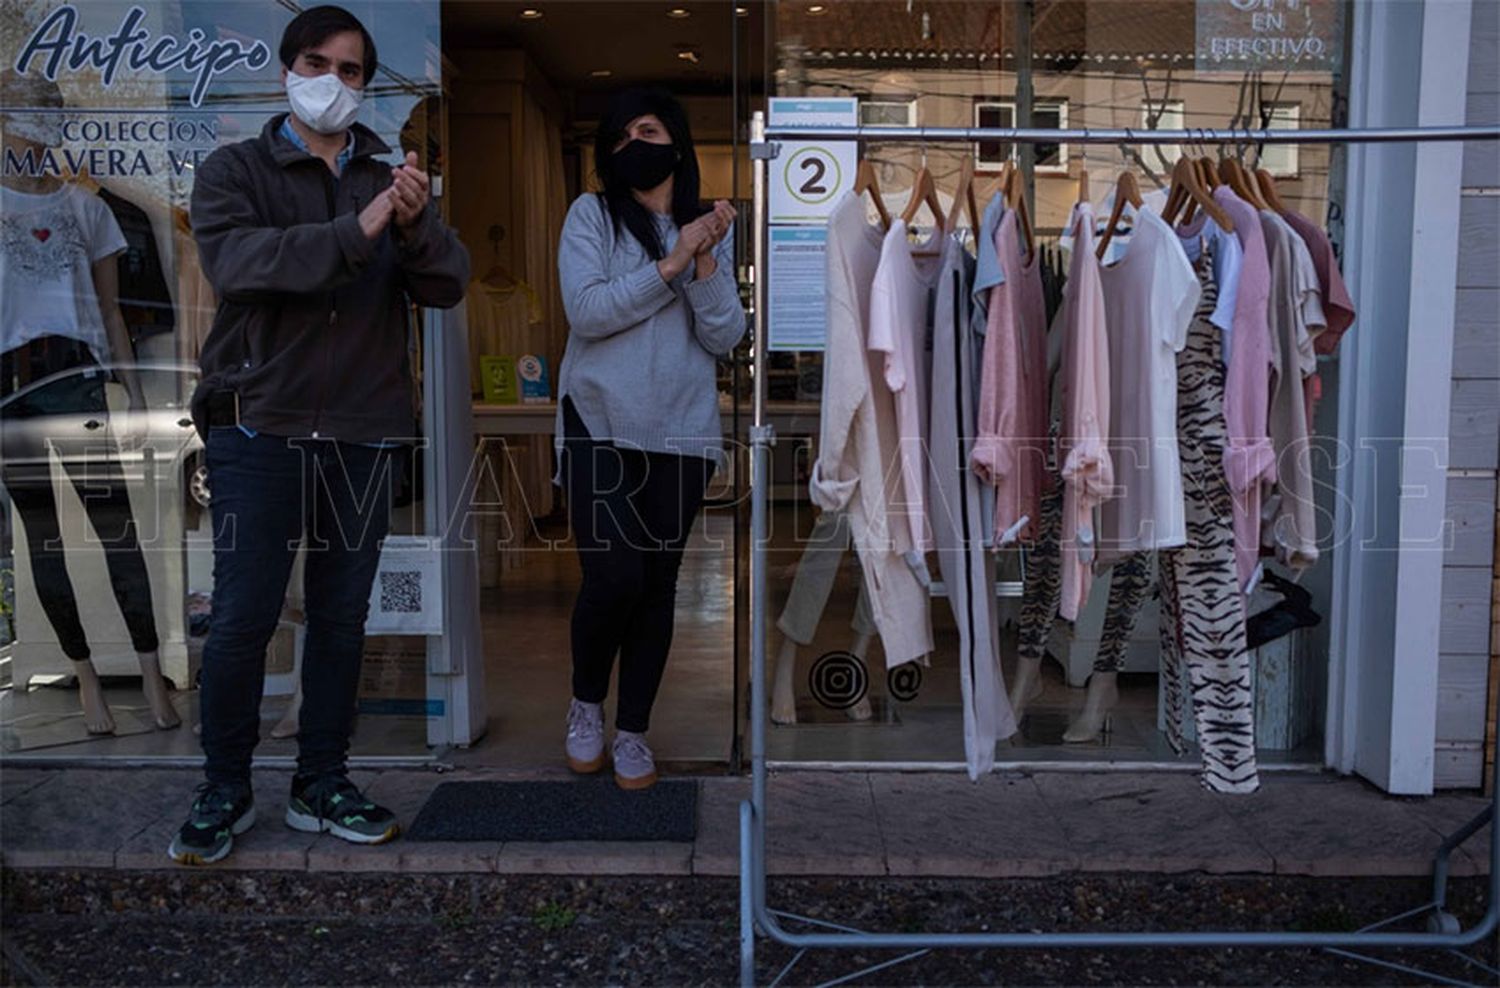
(57, 417)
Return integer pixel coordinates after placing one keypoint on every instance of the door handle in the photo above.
(93, 424)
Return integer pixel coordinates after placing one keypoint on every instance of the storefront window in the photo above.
(109, 109)
(1092, 64)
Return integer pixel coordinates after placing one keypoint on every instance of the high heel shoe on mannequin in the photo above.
(1098, 709)
(1027, 686)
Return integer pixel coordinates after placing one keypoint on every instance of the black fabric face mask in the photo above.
(643, 165)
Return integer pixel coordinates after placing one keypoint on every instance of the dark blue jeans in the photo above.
(267, 493)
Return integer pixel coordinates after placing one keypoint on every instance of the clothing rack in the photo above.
(756, 915)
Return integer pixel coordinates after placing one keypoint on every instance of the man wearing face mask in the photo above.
(313, 246)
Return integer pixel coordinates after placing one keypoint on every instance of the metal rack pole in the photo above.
(1128, 135)
(755, 913)
(760, 462)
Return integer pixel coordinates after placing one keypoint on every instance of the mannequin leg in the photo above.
(29, 484)
(783, 692)
(286, 727)
(1040, 598)
(96, 715)
(1098, 709)
(859, 648)
(158, 697)
(817, 570)
(865, 631)
(96, 476)
(1128, 584)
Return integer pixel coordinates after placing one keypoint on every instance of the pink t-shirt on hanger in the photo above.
(900, 303)
(1338, 307)
(1083, 442)
(1011, 442)
(1249, 460)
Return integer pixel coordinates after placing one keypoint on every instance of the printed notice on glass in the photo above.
(798, 308)
(407, 596)
(1284, 35)
(807, 176)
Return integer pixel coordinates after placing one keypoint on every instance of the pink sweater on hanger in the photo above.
(1011, 438)
(1087, 468)
(1249, 460)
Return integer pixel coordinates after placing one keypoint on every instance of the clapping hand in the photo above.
(716, 223)
(410, 191)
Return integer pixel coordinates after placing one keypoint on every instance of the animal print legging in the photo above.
(1042, 590)
(1202, 610)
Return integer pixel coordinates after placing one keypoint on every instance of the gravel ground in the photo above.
(230, 928)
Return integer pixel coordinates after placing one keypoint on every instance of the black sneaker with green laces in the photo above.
(220, 812)
(334, 804)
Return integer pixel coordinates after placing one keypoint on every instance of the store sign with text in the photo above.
(60, 44)
(1279, 35)
(149, 90)
(808, 176)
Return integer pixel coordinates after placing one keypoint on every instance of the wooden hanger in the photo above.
(1211, 177)
(963, 197)
(1207, 173)
(1126, 190)
(1015, 197)
(923, 189)
(1083, 185)
(865, 181)
(1184, 175)
(1241, 183)
(1268, 190)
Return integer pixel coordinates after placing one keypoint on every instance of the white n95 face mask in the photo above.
(323, 102)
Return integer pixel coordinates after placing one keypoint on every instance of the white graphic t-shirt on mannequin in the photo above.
(47, 246)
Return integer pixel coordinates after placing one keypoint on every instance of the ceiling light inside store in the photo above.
(742, 11)
(601, 73)
(688, 56)
(817, 9)
(679, 12)
(531, 14)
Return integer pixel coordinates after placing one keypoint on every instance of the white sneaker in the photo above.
(635, 768)
(585, 737)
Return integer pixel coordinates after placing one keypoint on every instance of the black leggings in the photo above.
(631, 513)
(52, 413)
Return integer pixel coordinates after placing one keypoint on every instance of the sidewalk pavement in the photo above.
(911, 824)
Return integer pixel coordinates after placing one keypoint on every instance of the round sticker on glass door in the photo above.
(813, 175)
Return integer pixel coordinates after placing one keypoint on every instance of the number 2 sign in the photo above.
(807, 177)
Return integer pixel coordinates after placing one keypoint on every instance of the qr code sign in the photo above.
(401, 592)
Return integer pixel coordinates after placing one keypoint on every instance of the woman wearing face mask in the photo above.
(647, 277)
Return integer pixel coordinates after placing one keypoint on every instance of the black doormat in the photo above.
(588, 809)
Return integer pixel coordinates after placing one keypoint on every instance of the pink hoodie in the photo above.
(1249, 459)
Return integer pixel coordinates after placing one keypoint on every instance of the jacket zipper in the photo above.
(333, 313)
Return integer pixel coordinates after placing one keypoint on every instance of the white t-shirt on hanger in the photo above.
(48, 244)
(1150, 295)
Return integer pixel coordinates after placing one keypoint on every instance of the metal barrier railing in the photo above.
(756, 915)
